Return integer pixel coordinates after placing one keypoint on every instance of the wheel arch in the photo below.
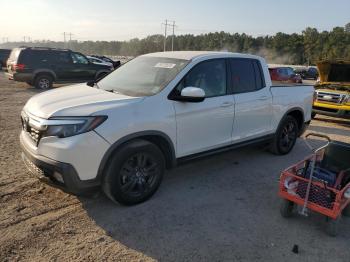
(158, 138)
(298, 114)
(44, 72)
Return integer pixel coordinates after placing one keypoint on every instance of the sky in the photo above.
(127, 19)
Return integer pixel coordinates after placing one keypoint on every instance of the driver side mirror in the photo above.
(192, 94)
(188, 94)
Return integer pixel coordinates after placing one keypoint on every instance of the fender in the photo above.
(114, 146)
(299, 109)
(102, 71)
(43, 70)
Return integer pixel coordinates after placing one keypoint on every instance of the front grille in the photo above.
(330, 97)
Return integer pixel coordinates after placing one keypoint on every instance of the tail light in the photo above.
(16, 67)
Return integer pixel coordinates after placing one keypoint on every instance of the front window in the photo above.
(143, 76)
(79, 59)
(209, 76)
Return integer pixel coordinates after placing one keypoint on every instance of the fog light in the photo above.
(58, 177)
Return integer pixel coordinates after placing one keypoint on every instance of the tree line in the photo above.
(307, 47)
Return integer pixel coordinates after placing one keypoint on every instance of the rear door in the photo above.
(207, 124)
(61, 63)
(253, 100)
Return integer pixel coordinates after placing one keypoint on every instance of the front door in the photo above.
(208, 124)
(82, 69)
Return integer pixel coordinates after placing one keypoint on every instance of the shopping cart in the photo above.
(320, 183)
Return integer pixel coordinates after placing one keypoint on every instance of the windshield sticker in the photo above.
(165, 65)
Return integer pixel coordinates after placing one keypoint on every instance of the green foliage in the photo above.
(306, 48)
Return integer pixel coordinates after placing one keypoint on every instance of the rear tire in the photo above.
(285, 137)
(134, 172)
(286, 208)
(43, 82)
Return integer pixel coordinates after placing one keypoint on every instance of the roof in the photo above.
(189, 55)
(44, 48)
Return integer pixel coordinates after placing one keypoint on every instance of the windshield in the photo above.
(143, 76)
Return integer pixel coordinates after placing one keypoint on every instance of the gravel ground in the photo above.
(221, 208)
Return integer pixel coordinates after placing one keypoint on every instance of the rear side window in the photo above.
(246, 75)
(243, 77)
(259, 76)
(32, 56)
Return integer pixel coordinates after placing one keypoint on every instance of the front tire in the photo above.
(285, 136)
(134, 172)
(43, 82)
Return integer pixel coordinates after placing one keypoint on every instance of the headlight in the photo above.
(71, 126)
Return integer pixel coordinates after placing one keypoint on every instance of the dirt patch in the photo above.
(219, 208)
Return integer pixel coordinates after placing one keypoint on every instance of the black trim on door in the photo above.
(254, 141)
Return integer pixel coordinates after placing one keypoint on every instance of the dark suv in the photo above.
(307, 73)
(4, 55)
(42, 67)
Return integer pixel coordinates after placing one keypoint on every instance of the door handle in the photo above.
(263, 98)
(226, 104)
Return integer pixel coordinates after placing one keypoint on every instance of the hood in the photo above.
(75, 100)
(334, 73)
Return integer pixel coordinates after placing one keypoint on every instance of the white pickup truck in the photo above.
(122, 132)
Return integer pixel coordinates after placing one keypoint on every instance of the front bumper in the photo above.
(58, 174)
(331, 112)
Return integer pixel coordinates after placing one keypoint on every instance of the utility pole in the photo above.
(70, 36)
(64, 37)
(24, 39)
(172, 38)
(165, 33)
(165, 29)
